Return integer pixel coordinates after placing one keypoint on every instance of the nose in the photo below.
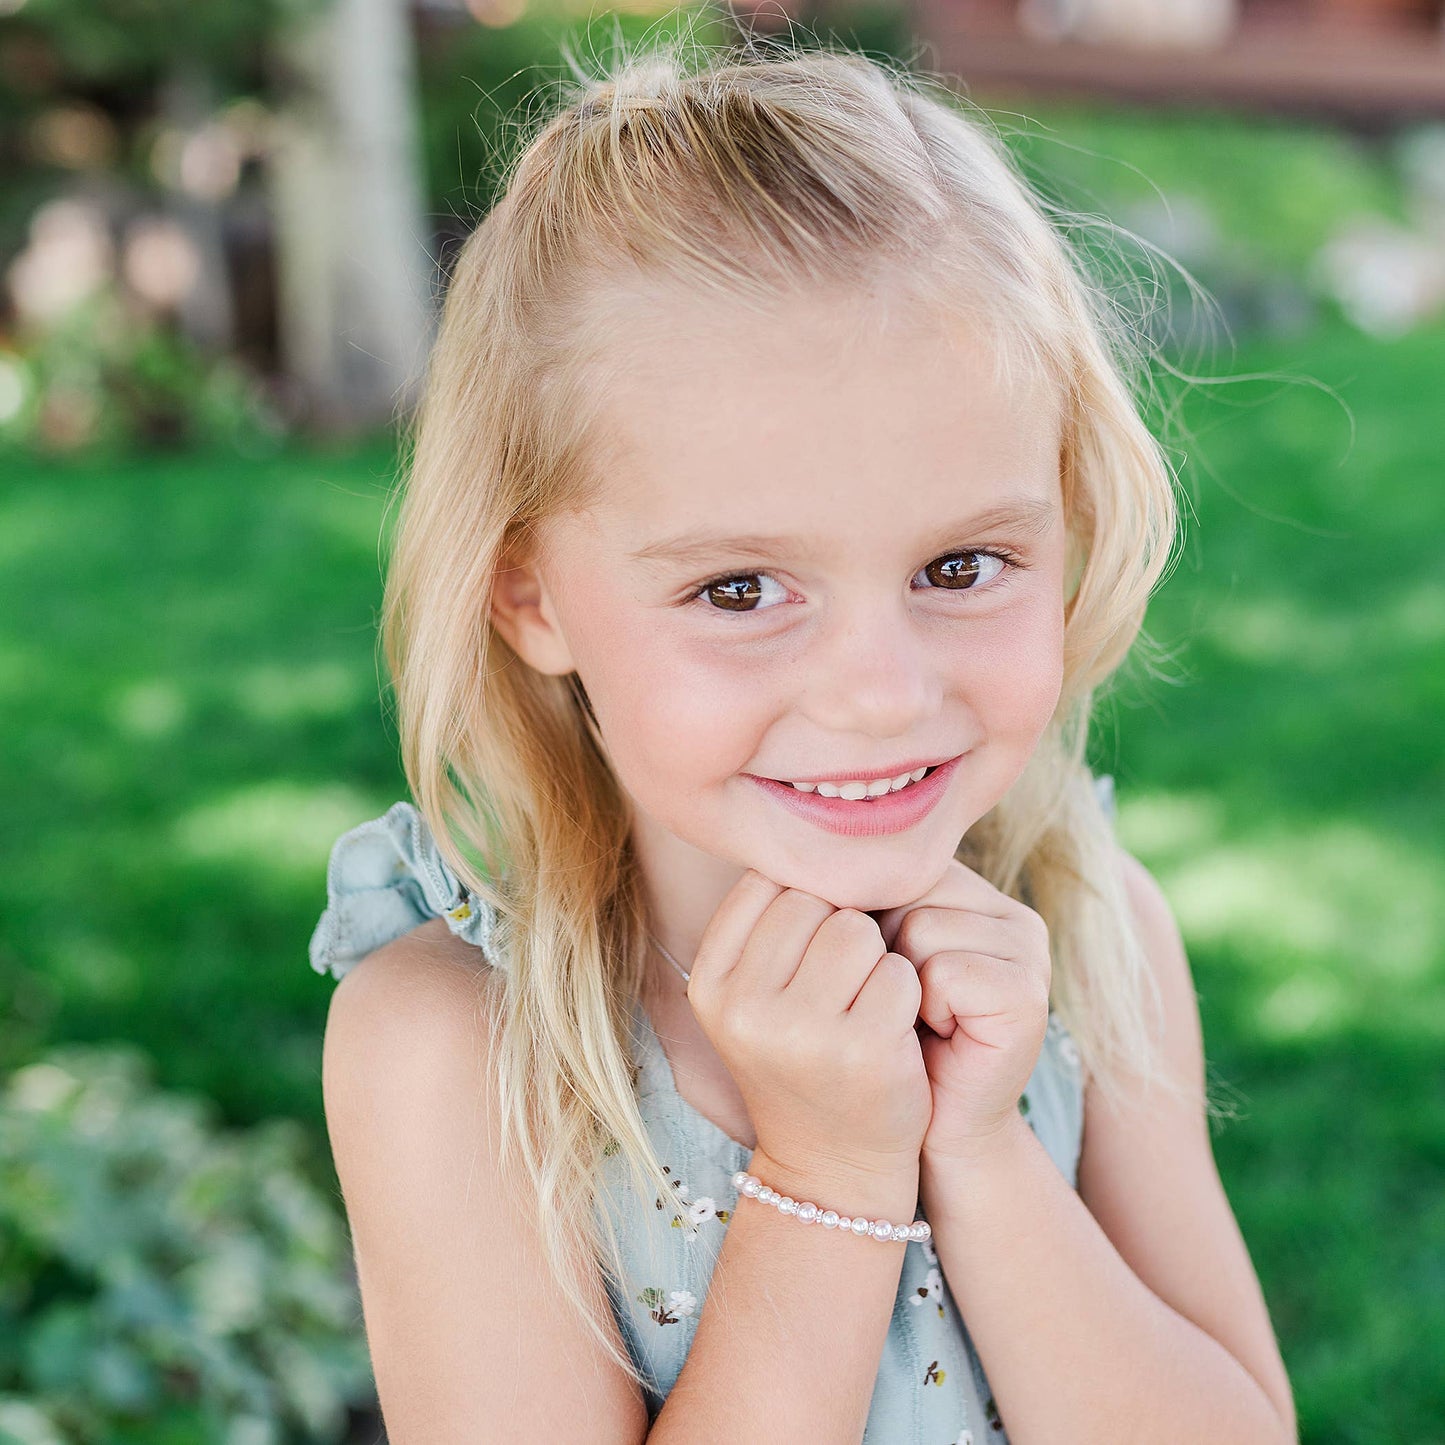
(870, 672)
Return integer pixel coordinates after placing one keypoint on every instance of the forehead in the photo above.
(829, 413)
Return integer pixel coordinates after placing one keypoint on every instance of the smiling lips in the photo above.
(855, 789)
(853, 809)
(889, 774)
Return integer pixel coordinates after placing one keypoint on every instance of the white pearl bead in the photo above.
(807, 1212)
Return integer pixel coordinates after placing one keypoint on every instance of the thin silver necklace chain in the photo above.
(685, 974)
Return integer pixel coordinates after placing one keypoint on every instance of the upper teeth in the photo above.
(857, 790)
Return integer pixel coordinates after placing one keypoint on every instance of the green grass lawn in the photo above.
(192, 716)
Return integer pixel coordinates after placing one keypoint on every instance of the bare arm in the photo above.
(792, 1331)
(467, 1341)
(1135, 1298)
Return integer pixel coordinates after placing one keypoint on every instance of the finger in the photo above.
(959, 887)
(927, 931)
(729, 929)
(890, 997)
(967, 987)
(773, 951)
(836, 964)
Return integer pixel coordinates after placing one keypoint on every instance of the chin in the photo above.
(868, 889)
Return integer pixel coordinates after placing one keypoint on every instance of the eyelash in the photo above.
(1011, 560)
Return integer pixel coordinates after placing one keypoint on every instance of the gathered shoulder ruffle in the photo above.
(1104, 791)
(384, 878)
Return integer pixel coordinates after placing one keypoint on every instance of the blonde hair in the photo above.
(748, 177)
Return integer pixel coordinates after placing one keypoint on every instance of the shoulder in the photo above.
(408, 1019)
(427, 978)
(404, 1053)
(451, 1264)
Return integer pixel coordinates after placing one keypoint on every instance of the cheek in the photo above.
(1013, 670)
(674, 716)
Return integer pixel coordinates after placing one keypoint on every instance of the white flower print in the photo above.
(965, 1437)
(701, 1210)
(931, 1288)
(929, 1253)
(681, 1302)
(689, 1214)
(1068, 1049)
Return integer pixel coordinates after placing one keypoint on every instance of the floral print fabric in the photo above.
(931, 1387)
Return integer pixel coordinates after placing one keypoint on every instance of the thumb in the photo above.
(935, 1009)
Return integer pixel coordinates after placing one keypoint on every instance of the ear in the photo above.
(522, 611)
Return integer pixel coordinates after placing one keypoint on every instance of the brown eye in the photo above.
(734, 594)
(959, 571)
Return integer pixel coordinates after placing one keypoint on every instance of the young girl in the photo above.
(753, 1030)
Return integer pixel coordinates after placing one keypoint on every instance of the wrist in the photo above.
(847, 1188)
(952, 1172)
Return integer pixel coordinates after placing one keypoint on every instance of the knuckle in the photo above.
(1037, 990)
(1032, 921)
(920, 935)
(853, 926)
(741, 1028)
(907, 979)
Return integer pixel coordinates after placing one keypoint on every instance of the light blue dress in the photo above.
(386, 876)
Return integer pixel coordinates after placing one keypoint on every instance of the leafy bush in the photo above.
(160, 1279)
(108, 378)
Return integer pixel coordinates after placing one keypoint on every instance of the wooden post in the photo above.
(353, 263)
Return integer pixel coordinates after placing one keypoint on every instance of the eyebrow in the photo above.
(1030, 517)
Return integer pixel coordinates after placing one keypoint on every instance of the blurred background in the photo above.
(223, 233)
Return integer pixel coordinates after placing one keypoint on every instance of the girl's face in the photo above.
(821, 554)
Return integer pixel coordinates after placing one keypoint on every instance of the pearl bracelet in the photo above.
(806, 1213)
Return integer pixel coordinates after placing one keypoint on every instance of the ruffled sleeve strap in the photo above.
(384, 878)
(1104, 791)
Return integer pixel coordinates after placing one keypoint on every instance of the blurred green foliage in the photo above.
(160, 1280)
(193, 715)
(482, 87)
(124, 382)
(1274, 190)
(130, 43)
